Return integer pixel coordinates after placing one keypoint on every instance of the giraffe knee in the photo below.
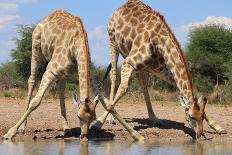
(31, 81)
(35, 102)
(113, 75)
(123, 88)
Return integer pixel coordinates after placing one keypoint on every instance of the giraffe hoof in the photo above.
(10, 133)
(137, 137)
(222, 132)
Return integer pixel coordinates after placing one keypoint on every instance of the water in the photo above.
(66, 147)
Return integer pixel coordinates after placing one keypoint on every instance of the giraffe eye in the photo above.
(192, 117)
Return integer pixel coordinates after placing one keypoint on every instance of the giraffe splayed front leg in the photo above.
(126, 72)
(48, 78)
(109, 108)
(213, 125)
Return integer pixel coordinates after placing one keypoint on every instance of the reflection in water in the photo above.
(63, 147)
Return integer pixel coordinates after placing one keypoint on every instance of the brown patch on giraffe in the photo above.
(141, 17)
(137, 41)
(59, 57)
(158, 27)
(129, 43)
(59, 50)
(147, 18)
(54, 65)
(184, 77)
(185, 86)
(175, 55)
(152, 36)
(134, 22)
(125, 11)
(177, 73)
(120, 24)
(45, 46)
(64, 52)
(127, 17)
(134, 9)
(138, 57)
(170, 45)
(146, 38)
(180, 83)
(142, 49)
(179, 65)
(133, 34)
(153, 18)
(123, 48)
(134, 51)
(136, 14)
(140, 30)
(126, 31)
(54, 30)
(69, 35)
(61, 38)
(141, 26)
(130, 4)
(163, 33)
(150, 25)
(163, 41)
(117, 36)
(171, 66)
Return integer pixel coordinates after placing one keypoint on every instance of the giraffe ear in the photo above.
(76, 100)
(183, 102)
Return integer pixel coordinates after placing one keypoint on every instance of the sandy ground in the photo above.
(45, 122)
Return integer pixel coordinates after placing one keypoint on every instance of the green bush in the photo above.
(7, 94)
(209, 50)
(203, 84)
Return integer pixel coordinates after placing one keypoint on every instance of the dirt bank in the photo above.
(46, 120)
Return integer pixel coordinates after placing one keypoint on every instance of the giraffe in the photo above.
(147, 44)
(61, 41)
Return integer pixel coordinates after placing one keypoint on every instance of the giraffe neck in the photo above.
(176, 62)
(84, 67)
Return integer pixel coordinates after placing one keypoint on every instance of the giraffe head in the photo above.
(86, 114)
(195, 114)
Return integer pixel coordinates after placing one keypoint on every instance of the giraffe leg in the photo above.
(126, 72)
(47, 79)
(113, 73)
(61, 90)
(152, 117)
(213, 125)
(134, 134)
(31, 86)
(36, 60)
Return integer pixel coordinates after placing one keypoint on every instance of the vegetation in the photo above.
(22, 54)
(208, 51)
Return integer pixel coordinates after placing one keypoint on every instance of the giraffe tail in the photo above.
(107, 72)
